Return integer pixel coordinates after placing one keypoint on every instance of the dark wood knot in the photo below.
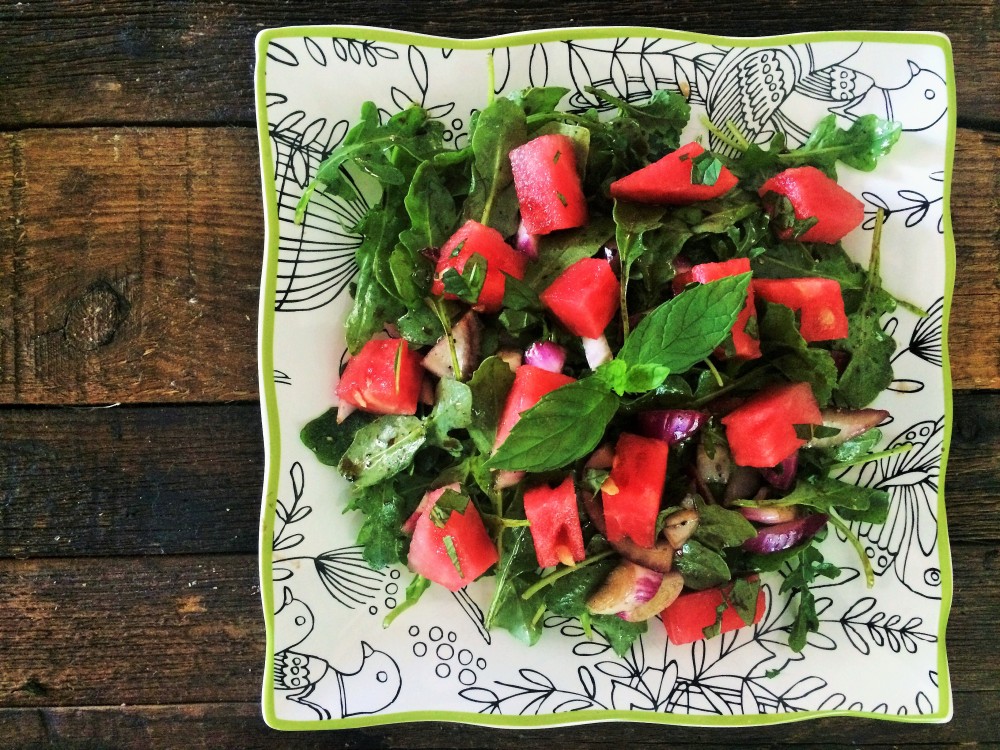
(94, 317)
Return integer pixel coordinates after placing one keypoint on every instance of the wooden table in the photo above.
(130, 443)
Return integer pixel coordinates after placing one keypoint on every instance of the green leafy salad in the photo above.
(609, 373)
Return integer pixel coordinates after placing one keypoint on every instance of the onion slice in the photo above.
(782, 476)
(525, 242)
(671, 425)
(547, 355)
(851, 423)
(782, 536)
(597, 351)
(466, 333)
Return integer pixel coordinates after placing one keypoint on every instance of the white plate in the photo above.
(330, 664)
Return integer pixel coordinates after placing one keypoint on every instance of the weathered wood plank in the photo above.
(136, 266)
(132, 264)
(88, 62)
(127, 481)
(231, 725)
(173, 480)
(155, 630)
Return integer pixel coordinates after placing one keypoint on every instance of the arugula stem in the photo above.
(869, 457)
(553, 577)
(721, 135)
(437, 307)
(740, 138)
(414, 591)
(623, 305)
(866, 564)
(491, 78)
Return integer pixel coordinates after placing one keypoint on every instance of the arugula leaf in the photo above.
(632, 221)
(515, 572)
(827, 494)
(856, 447)
(518, 295)
(452, 411)
(489, 385)
(805, 568)
(661, 118)
(329, 440)
(381, 535)
(620, 634)
(382, 449)
(420, 326)
(499, 129)
(539, 99)
(687, 328)
(431, 209)
(564, 425)
(701, 566)
(861, 146)
(869, 371)
(414, 590)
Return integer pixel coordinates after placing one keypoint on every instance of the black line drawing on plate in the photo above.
(915, 206)
(925, 343)
(282, 378)
(473, 611)
(907, 542)
(342, 571)
(866, 626)
(370, 688)
(359, 51)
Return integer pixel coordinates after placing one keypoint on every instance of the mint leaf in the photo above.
(705, 169)
(382, 449)
(564, 425)
(645, 377)
(489, 385)
(449, 546)
(467, 284)
(449, 502)
(687, 328)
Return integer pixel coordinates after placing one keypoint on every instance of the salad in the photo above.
(613, 371)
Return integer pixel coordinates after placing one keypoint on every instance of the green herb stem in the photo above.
(738, 383)
(721, 135)
(438, 308)
(553, 577)
(623, 288)
(715, 372)
(866, 564)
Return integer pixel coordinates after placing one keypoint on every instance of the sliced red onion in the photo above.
(609, 252)
(505, 479)
(782, 476)
(669, 589)
(770, 514)
(840, 360)
(344, 410)
(625, 588)
(785, 535)
(671, 425)
(526, 242)
(547, 355)
(466, 334)
(851, 423)
(597, 351)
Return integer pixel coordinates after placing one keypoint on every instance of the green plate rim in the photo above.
(269, 411)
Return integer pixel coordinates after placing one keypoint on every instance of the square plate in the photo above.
(330, 664)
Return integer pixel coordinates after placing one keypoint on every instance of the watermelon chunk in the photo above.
(686, 619)
(465, 534)
(584, 297)
(814, 195)
(761, 431)
(383, 378)
(555, 523)
(631, 495)
(548, 184)
(668, 181)
(819, 301)
(474, 238)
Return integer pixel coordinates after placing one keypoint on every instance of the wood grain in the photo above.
(153, 630)
(237, 725)
(125, 62)
(130, 481)
(187, 479)
(132, 258)
(136, 264)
